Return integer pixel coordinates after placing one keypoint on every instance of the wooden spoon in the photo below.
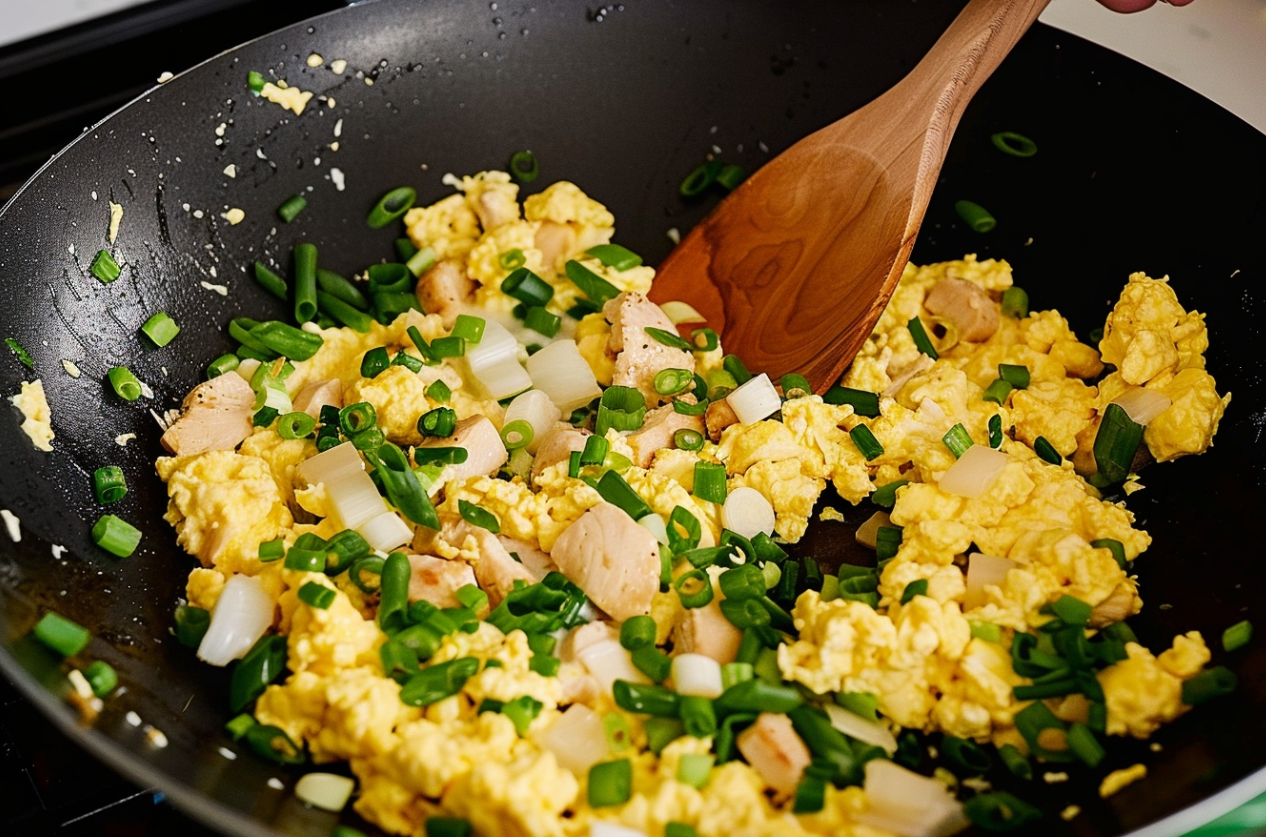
(795, 266)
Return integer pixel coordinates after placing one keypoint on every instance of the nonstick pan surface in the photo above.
(1133, 172)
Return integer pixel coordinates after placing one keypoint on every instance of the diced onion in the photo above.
(695, 674)
(353, 494)
(855, 726)
(1142, 404)
(536, 408)
(903, 377)
(908, 804)
(755, 400)
(278, 400)
(867, 534)
(327, 791)
(493, 365)
(608, 662)
(246, 368)
(654, 524)
(975, 472)
(241, 615)
(386, 531)
(746, 512)
(564, 375)
(577, 739)
(983, 571)
(598, 828)
(682, 312)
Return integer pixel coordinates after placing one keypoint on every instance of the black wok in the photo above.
(1134, 172)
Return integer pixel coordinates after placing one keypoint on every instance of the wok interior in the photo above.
(1130, 175)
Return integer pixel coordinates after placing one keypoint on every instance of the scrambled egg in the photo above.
(928, 641)
(36, 416)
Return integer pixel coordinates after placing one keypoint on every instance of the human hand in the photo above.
(1138, 5)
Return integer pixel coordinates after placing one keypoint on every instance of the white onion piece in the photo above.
(1142, 404)
(246, 368)
(755, 400)
(903, 377)
(241, 615)
(975, 472)
(983, 571)
(278, 399)
(536, 408)
(695, 674)
(868, 533)
(564, 375)
(855, 726)
(577, 739)
(353, 494)
(654, 524)
(598, 828)
(608, 661)
(386, 531)
(909, 804)
(746, 512)
(682, 312)
(327, 791)
(493, 363)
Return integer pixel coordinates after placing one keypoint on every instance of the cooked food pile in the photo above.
(516, 545)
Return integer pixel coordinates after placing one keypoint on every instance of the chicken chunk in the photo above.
(614, 560)
(319, 394)
(496, 204)
(444, 289)
(774, 750)
(705, 630)
(557, 445)
(719, 416)
(657, 432)
(437, 580)
(485, 452)
(556, 242)
(583, 636)
(215, 415)
(538, 563)
(1120, 605)
(967, 306)
(639, 357)
(495, 570)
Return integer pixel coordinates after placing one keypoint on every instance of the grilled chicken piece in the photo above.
(497, 204)
(556, 242)
(611, 558)
(639, 357)
(583, 636)
(485, 452)
(967, 306)
(437, 580)
(215, 415)
(657, 432)
(319, 394)
(719, 416)
(538, 563)
(705, 630)
(557, 445)
(444, 289)
(773, 749)
(496, 570)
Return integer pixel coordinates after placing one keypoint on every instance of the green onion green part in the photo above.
(102, 677)
(1017, 145)
(866, 442)
(1016, 376)
(976, 216)
(104, 267)
(116, 536)
(61, 634)
(614, 256)
(1237, 636)
(524, 166)
(124, 383)
(109, 484)
(921, 340)
(21, 353)
(997, 392)
(710, 482)
(160, 328)
(1015, 303)
(391, 206)
(291, 207)
(476, 516)
(957, 439)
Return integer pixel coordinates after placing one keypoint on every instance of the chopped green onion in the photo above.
(684, 530)
(957, 439)
(697, 409)
(616, 491)
(1209, 684)
(694, 588)
(863, 403)
(921, 340)
(542, 321)
(887, 542)
(987, 631)
(440, 456)
(470, 329)
(1237, 636)
(102, 677)
(672, 381)
(439, 391)
(652, 662)
(810, 794)
(270, 281)
(191, 624)
(668, 338)
(444, 827)
(704, 340)
(1015, 303)
(794, 386)
(511, 259)
(866, 442)
(997, 392)
(1116, 442)
(438, 423)
(317, 595)
(238, 726)
(263, 664)
(287, 340)
(694, 768)
(1016, 376)
(419, 261)
(476, 516)
(614, 256)
(662, 731)
(738, 371)
(976, 216)
(1034, 720)
(595, 452)
(61, 634)
(305, 560)
(1015, 761)
(291, 207)
(622, 408)
(452, 346)
(255, 81)
(886, 495)
(296, 425)
(305, 265)
(731, 176)
(344, 313)
(914, 588)
(374, 362)
(1115, 547)
(109, 484)
(524, 166)
(687, 439)
(1071, 611)
(746, 581)
(679, 829)
(528, 288)
(592, 285)
(161, 329)
(610, 783)
(1000, 811)
(517, 434)
(104, 267)
(757, 695)
(391, 206)
(709, 483)
(1017, 145)
(118, 537)
(222, 365)
(966, 756)
(402, 486)
(1046, 451)
(439, 681)
(995, 431)
(273, 550)
(22, 354)
(638, 632)
(124, 383)
(272, 743)
(356, 417)
(701, 178)
(698, 716)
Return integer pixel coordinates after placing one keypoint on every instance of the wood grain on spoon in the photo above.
(796, 265)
